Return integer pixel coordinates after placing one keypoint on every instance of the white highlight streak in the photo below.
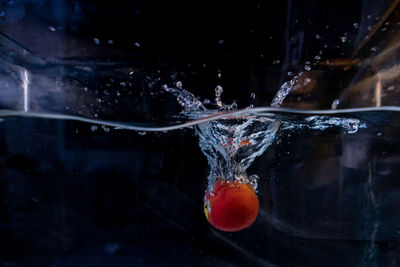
(25, 86)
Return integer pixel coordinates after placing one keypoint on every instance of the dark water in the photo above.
(72, 194)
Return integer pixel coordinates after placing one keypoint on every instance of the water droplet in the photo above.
(85, 89)
(96, 41)
(221, 42)
(165, 88)
(206, 101)
(123, 84)
(383, 29)
(373, 49)
(275, 62)
(317, 36)
(52, 28)
(335, 103)
(307, 67)
(219, 90)
(369, 28)
(179, 85)
(379, 134)
(93, 128)
(110, 41)
(142, 133)
(317, 57)
(290, 73)
(253, 96)
(284, 90)
(219, 75)
(355, 25)
(369, 17)
(343, 39)
(137, 44)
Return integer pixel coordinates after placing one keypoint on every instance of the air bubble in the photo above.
(352, 126)
(179, 85)
(52, 28)
(253, 96)
(355, 25)
(306, 81)
(96, 41)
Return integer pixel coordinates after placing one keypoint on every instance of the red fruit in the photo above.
(232, 206)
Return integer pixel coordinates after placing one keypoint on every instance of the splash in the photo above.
(233, 140)
(232, 144)
(285, 89)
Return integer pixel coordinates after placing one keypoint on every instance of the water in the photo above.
(319, 187)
